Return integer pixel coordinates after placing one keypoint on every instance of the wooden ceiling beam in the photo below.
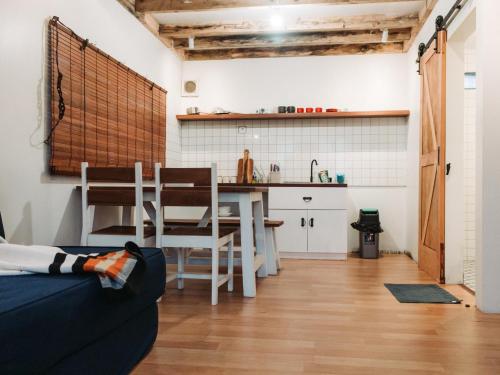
(285, 40)
(148, 21)
(423, 14)
(169, 6)
(244, 53)
(367, 22)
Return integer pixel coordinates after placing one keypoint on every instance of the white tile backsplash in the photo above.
(370, 152)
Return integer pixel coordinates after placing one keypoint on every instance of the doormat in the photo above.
(421, 293)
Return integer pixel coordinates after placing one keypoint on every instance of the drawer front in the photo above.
(308, 198)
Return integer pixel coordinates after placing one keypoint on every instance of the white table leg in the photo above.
(180, 267)
(247, 257)
(271, 260)
(260, 236)
(87, 224)
(127, 215)
(276, 251)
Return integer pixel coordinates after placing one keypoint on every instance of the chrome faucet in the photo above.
(312, 162)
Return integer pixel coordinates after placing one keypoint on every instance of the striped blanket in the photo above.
(120, 272)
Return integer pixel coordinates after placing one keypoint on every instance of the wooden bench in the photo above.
(222, 221)
(274, 261)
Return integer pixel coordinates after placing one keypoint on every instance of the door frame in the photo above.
(462, 28)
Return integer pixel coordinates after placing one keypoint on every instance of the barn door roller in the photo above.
(442, 24)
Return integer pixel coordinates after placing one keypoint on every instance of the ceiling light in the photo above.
(277, 22)
(385, 35)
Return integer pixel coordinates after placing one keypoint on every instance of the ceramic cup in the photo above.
(340, 178)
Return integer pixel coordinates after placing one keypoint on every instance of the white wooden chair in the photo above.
(204, 193)
(123, 194)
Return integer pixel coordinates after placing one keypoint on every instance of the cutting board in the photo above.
(245, 169)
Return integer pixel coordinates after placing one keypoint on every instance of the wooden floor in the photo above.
(323, 317)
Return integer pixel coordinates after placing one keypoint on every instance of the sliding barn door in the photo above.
(432, 159)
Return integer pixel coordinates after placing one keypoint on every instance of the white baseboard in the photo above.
(305, 255)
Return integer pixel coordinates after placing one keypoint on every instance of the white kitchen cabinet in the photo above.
(315, 221)
(311, 231)
(327, 231)
(292, 235)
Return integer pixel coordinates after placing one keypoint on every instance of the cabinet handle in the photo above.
(311, 222)
(302, 222)
(307, 199)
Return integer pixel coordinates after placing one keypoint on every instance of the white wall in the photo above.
(368, 82)
(488, 154)
(38, 208)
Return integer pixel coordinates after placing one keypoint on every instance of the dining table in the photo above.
(249, 199)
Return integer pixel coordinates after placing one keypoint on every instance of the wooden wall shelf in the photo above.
(288, 116)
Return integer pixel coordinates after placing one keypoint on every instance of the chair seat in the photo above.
(123, 230)
(195, 231)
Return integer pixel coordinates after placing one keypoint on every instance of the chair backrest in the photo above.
(98, 195)
(192, 176)
(198, 189)
(115, 195)
(110, 174)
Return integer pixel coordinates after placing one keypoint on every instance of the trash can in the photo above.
(369, 228)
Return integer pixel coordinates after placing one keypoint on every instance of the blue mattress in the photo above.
(47, 320)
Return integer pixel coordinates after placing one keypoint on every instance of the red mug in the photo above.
(309, 109)
(300, 110)
(319, 109)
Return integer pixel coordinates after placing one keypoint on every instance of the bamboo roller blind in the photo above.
(112, 116)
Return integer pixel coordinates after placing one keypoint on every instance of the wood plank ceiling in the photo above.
(218, 29)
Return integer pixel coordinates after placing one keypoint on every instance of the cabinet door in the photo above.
(292, 235)
(327, 231)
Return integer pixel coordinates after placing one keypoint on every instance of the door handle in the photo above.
(307, 199)
(311, 222)
(448, 167)
(302, 222)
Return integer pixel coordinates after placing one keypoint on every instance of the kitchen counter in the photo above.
(289, 184)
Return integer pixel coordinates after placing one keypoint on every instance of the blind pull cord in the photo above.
(61, 105)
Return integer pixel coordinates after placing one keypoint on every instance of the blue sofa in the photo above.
(65, 324)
